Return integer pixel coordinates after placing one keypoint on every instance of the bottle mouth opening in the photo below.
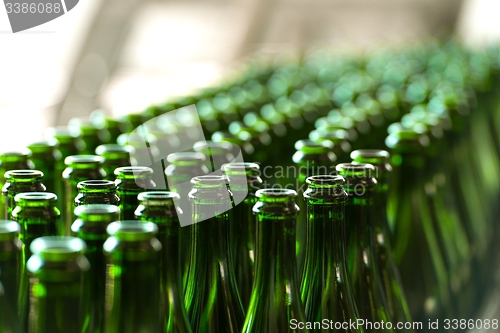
(362, 170)
(222, 146)
(158, 195)
(193, 157)
(135, 171)
(96, 210)
(274, 194)
(132, 230)
(23, 174)
(9, 229)
(209, 181)
(114, 149)
(83, 159)
(96, 185)
(369, 154)
(55, 248)
(26, 197)
(313, 146)
(240, 168)
(325, 180)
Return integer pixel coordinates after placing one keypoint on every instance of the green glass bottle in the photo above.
(415, 244)
(92, 192)
(58, 288)
(244, 180)
(69, 139)
(384, 258)
(90, 226)
(275, 305)
(360, 244)
(132, 277)
(20, 181)
(216, 153)
(182, 168)
(212, 300)
(105, 123)
(46, 156)
(78, 169)
(130, 181)
(325, 291)
(114, 156)
(310, 159)
(38, 216)
(10, 275)
(12, 160)
(160, 208)
(91, 135)
(239, 146)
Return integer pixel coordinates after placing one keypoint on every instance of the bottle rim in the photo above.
(133, 171)
(193, 157)
(370, 155)
(115, 150)
(209, 181)
(58, 248)
(276, 194)
(9, 230)
(158, 196)
(43, 146)
(32, 198)
(96, 185)
(355, 169)
(75, 160)
(212, 146)
(325, 181)
(23, 175)
(312, 146)
(132, 230)
(14, 156)
(240, 168)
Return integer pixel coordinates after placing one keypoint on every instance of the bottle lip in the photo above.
(370, 155)
(161, 196)
(111, 150)
(312, 146)
(212, 146)
(34, 198)
(240, 168)
(62, 132)
(96, 213)
(96, 185)
(125, 139)
(133, 171)
(58, 248)
(43, 146)
(325, 181)
(276, 195)
(355, 169)
(14, 156)
(209, 181)
(186, 158)
(9, 230)
(23, 175)
(83, 159)
(132, 230)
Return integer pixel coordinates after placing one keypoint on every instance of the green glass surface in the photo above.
(10, 276)
(78, 169)
(360, 243)
(90, 226)
(384, 258)
(212, 300)
(58, 287)
(46, 155)
(159, 207)
(325, 291)
(20, 181)
(130, 181)
(275, 300)
(243, 231)
(92, 192)
(216, 153)
(132, 277)
(114, 156)
(90, 134)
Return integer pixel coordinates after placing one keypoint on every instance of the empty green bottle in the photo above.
(132, 277)
(244, 180)
(20, 181)
(12, 160)
(326, 292)
(78, 169)
(58, 287)
(10, 275)
(212, 300)
(388, 271)
(360, 244)
(275, 305)
(45, 155)
(92, 192)
(130, 181)
(114, 156)
(160, 208)
(90, 225)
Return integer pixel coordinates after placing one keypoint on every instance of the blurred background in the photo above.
(123, 55)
